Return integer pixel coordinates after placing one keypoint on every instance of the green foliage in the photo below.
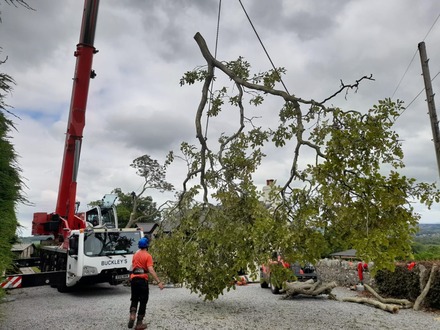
(351, 196)
(211, 244)
(10, 173)
(400, 283)
(426, 244)
(428, 240)
(10, 180)
(427, 252)
(191, 77)
(359, 205)
(152, 172)
(280, 274)
(405, 284)
(146, 210)
(133, 206)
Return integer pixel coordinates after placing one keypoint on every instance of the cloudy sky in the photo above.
(136, 105)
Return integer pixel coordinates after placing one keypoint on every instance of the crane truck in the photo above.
(88, 247)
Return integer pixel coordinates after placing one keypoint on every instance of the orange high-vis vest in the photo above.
(141, 259)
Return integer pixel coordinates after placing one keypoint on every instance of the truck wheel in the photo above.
(63, 288)
(264, 284)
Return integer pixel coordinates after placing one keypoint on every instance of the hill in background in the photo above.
(429, 229)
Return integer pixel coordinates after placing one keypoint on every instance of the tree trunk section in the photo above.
(403, 303)
(422, 296)
(309, 288)
(131, 222)
(386, 307)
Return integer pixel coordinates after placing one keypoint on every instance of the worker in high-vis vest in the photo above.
(142, 265)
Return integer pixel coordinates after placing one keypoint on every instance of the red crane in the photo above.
(64, 218)
(88, 248)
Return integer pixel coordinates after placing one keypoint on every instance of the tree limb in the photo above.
(422, 296)
(386, 307)
(403, 303)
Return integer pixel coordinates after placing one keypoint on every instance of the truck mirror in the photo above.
(73, 245)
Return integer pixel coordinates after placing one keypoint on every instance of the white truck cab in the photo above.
(97, 255)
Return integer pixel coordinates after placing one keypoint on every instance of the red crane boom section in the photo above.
(83, 73)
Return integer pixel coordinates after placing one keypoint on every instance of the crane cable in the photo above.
(264, 48)
(215, 56)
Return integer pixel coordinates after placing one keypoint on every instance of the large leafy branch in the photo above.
(351, 195)
(238, 72)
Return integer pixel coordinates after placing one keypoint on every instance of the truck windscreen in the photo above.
(110, 243)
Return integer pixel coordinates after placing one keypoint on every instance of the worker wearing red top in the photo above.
(362, 266)
(142, 265)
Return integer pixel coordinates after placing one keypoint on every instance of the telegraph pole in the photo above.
(430, 100)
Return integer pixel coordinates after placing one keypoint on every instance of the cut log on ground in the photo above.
(309, 288)
(421, 297)
(386, 307)
(403, 303)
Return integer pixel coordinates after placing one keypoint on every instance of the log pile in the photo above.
(309, 288)
(387, 304)
(392, 305)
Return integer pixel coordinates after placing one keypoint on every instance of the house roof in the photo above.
(20, 247)
(147, 227)
(35, 239)
(345, 254)
(168, 225)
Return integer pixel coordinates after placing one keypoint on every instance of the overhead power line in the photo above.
(415, 98)
(412, 59)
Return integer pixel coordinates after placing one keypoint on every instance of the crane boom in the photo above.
(83, 73)
(64, 219)
(87, 247)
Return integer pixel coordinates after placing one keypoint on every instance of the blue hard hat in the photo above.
(143, 243)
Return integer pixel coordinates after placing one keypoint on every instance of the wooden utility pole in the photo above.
(430, 100)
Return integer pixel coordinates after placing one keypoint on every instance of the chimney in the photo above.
(269, 182)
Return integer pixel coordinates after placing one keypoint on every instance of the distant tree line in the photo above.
(427, 245)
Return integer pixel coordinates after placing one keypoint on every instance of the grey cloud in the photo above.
(31, 37)
(158, 131)
(307, 24)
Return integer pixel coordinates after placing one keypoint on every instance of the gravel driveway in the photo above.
(247, 307)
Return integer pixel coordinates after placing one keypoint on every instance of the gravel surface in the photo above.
(247, 307)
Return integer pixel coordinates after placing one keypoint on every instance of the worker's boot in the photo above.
(139, 324)
(132, 317)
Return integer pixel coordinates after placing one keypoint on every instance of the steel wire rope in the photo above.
(264, 48)
(215, 56)
(412, 59)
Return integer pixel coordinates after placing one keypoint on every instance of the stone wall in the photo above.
(343, 272)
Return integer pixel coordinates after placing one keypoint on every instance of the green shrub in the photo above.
(405, 284)
(402, 283)
(279, 275)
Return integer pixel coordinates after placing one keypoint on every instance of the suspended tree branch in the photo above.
(344, 180)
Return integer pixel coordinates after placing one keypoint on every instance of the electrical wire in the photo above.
(415, 98)
(262, 45)
(415, 53)
(404, 74)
